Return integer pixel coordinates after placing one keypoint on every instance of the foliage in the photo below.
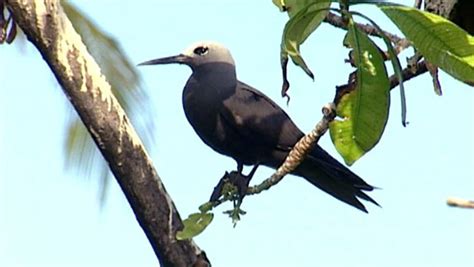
(440, 41)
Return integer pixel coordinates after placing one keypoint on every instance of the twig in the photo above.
(433, 71)
(408, 73)
(299, 151)
(460, 203)
(400, 43)
(337, 21)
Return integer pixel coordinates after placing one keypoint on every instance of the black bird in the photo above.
(241, 122)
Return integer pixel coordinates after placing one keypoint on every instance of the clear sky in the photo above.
(50, 217)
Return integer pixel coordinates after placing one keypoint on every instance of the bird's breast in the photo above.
(202, 105)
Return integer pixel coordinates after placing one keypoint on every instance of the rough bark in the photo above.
(49, 29)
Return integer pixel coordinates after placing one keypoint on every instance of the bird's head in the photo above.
(197, 54)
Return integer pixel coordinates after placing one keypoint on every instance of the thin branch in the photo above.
(460, 203)
(400, 43)
(409, 73)
(299, 151)
(337, 21)
(49, 29)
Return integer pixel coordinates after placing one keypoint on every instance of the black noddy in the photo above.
(241, 122)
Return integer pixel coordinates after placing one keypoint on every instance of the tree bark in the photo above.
(48, 28)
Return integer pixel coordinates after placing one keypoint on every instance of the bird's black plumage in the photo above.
(239, 121)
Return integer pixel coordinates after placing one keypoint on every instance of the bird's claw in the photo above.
(235, 214)
(237, 181)
(241, 182)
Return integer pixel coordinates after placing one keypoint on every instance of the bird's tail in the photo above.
(329, 175)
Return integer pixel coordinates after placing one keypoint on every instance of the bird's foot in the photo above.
(232, 186)
(235, 213)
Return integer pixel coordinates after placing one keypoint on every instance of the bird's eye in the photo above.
(201, 50)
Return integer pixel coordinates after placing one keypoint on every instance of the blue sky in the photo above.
(50, 217)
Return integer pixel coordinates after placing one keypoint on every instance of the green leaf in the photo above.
(397, 67)
(297, 29)
(440, 41)
(364, 111)
(194, 225)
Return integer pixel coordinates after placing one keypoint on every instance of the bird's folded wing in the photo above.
(256, 117)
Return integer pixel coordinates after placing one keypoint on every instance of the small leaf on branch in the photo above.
(194, 225)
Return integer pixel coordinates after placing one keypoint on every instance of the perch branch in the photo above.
(299, 151)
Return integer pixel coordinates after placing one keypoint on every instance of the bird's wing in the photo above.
(256, 117)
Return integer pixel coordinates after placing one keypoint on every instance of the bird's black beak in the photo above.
(180, 59)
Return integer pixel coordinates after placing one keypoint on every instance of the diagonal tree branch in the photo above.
(49, 29)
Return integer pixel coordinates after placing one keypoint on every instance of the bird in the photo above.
(241, 122)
